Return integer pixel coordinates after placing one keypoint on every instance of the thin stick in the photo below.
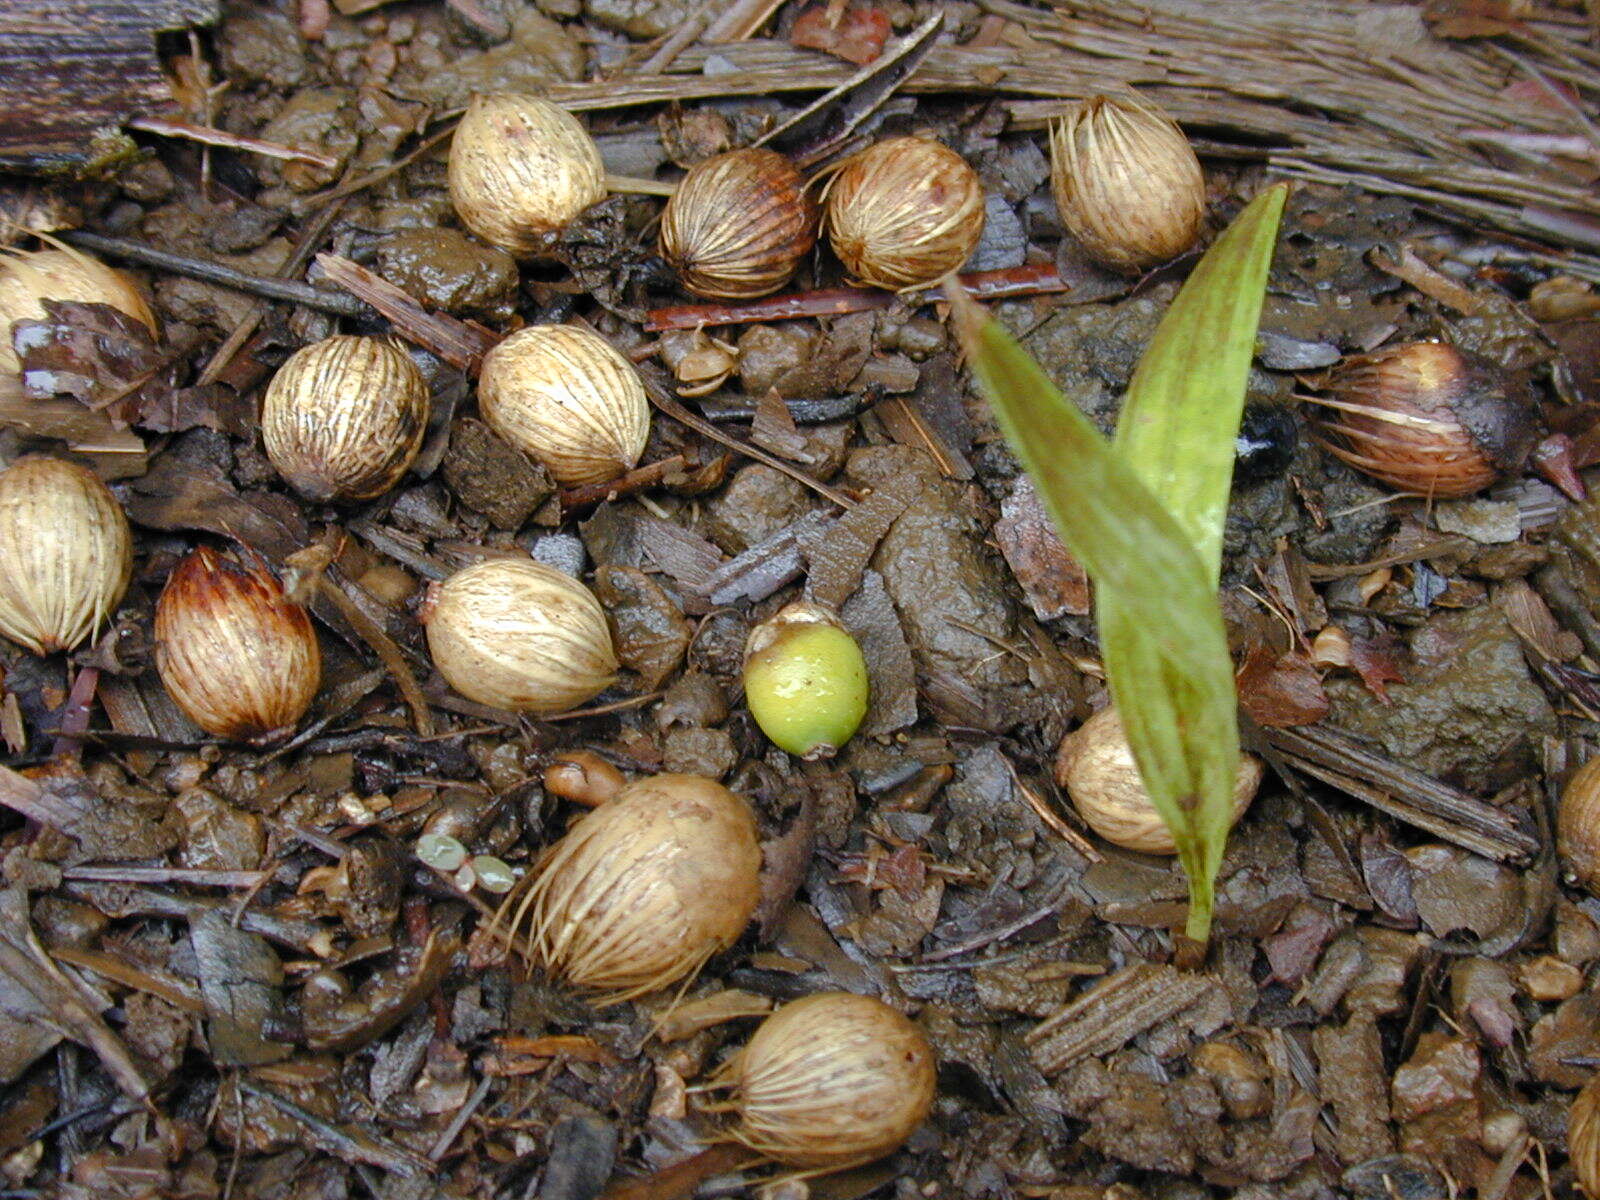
(635, 480)
(1053, 819)
(680, 40)
(660, 398)
(75, 714)
(129, 975)
(601, 709)
(337, 303)
(352, 1144)
(352, 186)
(313, 562)
(196, 876)
(633, 185)
(303, 251)
(740, 20)
(991, 936)
(459, 1121)
(460, 343)
(1032, 280)
(207, 136)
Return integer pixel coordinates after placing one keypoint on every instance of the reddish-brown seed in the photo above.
(739, 225)
(1429, 418)
(233, 650)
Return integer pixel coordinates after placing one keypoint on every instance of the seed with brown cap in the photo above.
(1429, 418)
(233, 650)
(739, 225)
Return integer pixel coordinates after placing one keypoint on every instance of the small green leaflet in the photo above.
(1155, 561)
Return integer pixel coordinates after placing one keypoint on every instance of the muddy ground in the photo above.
(1389, 1008)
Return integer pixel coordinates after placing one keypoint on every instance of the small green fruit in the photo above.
(805, 680)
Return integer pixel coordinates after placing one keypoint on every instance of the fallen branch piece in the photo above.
(1404, 793)
(1008, 282)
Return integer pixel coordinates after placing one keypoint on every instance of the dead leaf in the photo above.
(241, 982)
(774, 429)
(1530, 616)
(61, 797)
(1052, 580)
(48, 1004)
(891, 674)
(98, 355)
(1287, 579)
(858, 35)
(784, 860)
(115, 452)
(652, 634)
(1281, 690)
(1377, 661)
(837, 560)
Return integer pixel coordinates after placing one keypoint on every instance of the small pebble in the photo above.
(1548, 978)
(441, 851)
(356, 810)
(559, 550)
(493, 874)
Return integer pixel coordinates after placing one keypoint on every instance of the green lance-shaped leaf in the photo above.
(1155, 566)
(1180, 417)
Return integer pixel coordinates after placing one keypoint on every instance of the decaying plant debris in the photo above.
(225, 969)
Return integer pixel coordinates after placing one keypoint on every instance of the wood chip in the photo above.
(838, 558)
(774, 429)
(910, 428)
(1107, 1016)
(686, 556)
(770, 564)
(1530, 616)
(1353, 1082)
(1054, 582)
(460, 343)
(872, 621)
(1404, 793)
